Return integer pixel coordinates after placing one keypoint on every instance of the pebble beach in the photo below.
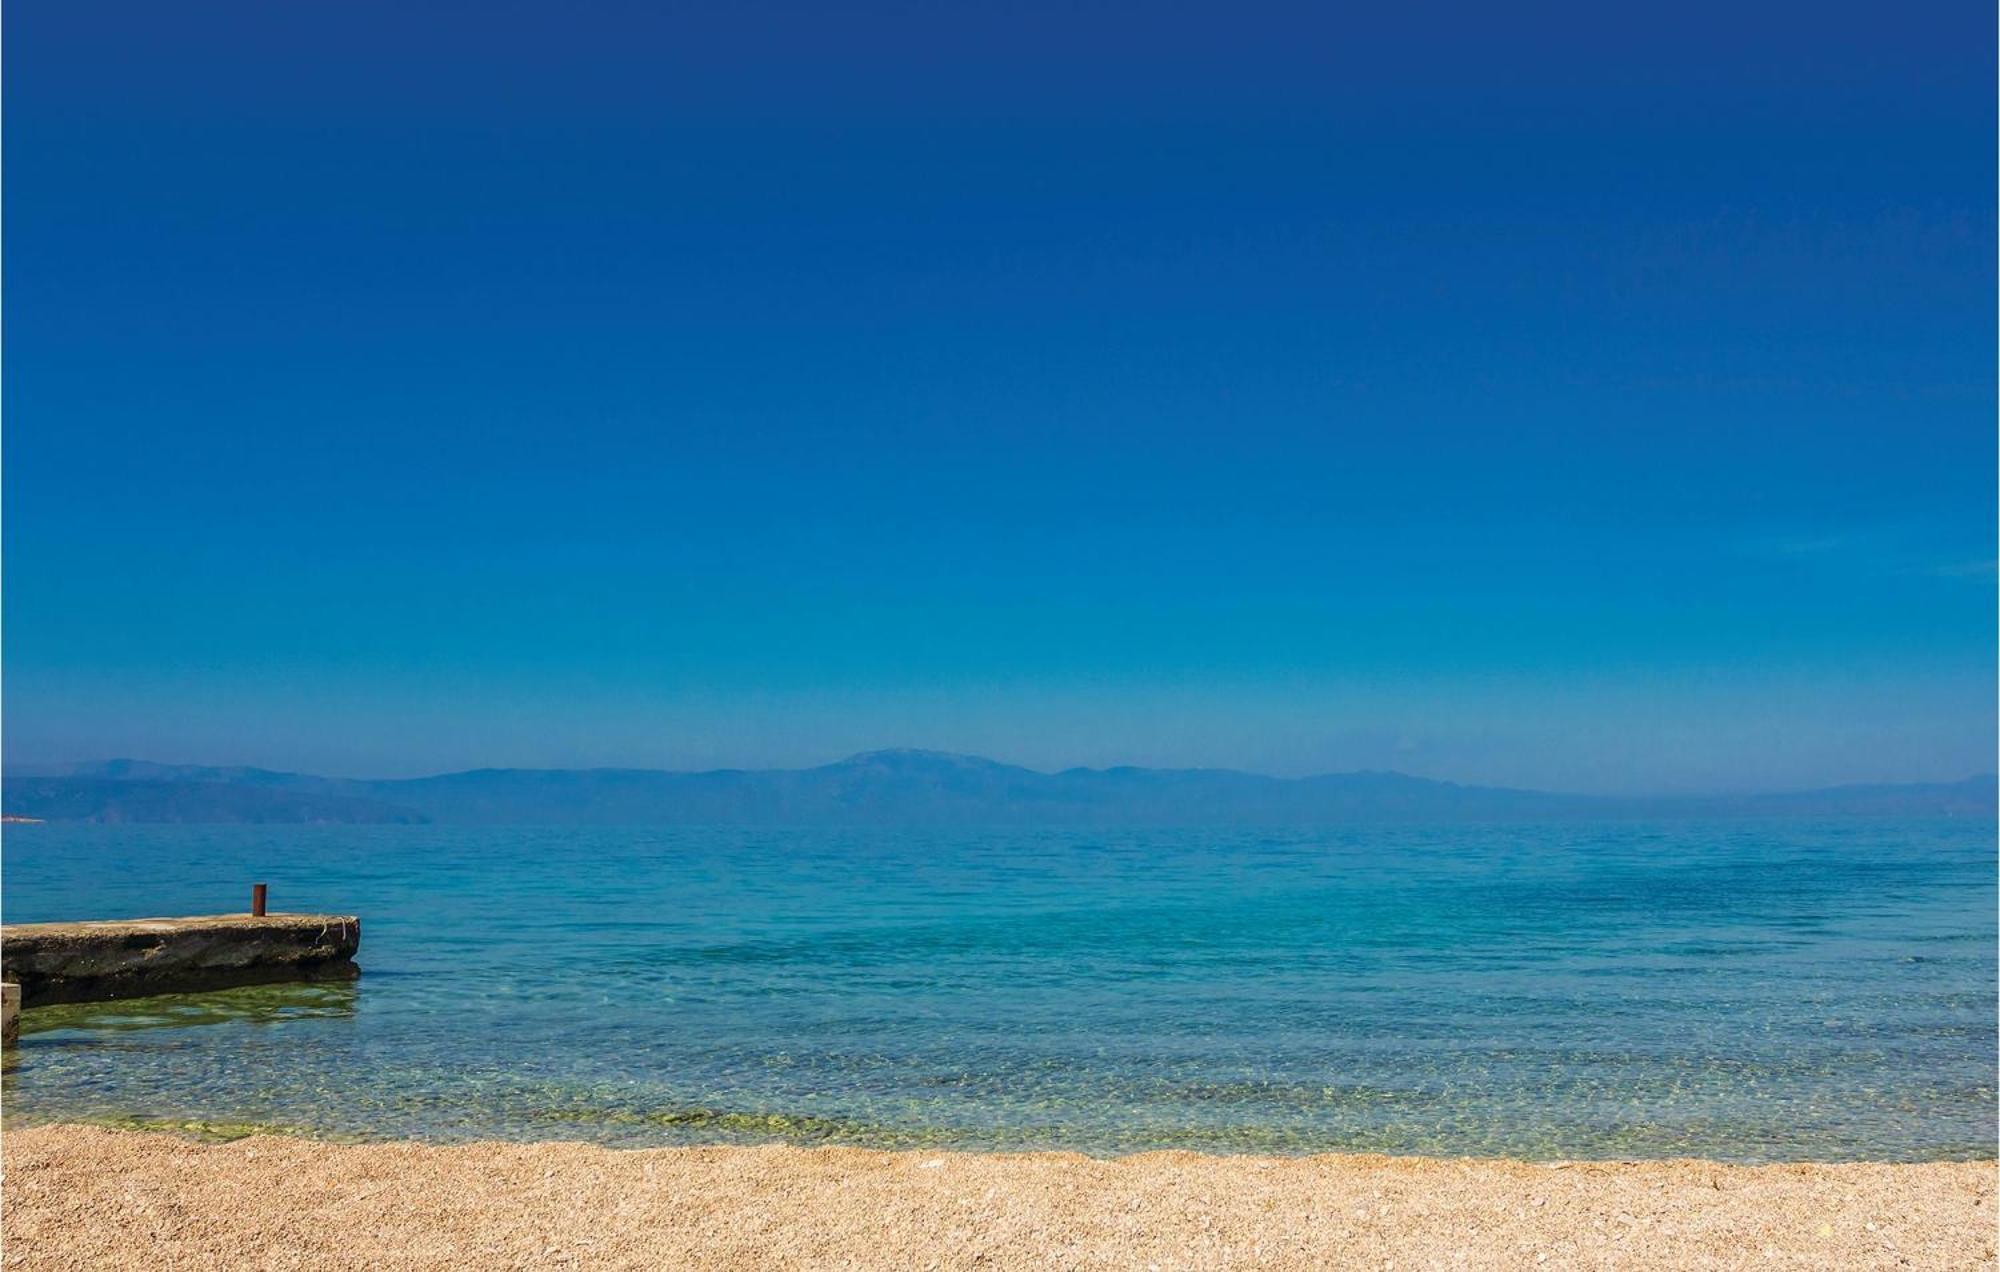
(85, 1197)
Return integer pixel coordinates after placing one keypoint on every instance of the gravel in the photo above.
(82, 1197)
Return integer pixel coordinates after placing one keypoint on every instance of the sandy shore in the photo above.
(78, 1197)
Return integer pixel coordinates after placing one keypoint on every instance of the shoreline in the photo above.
(80, 1196)
(213, 1131)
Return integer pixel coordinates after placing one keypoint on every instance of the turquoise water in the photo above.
(1751, 991)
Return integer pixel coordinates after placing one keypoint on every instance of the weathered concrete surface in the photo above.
(127, 958)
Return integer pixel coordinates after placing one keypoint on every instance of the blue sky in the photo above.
(1561, 396)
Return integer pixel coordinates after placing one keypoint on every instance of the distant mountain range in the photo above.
(886, 788)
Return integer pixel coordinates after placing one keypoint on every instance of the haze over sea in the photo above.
(1755, 990)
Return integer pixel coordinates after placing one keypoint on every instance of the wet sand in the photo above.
(81, 1197)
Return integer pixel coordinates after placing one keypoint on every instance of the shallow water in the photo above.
(1750, 991)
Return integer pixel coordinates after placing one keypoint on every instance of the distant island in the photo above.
(887, 788)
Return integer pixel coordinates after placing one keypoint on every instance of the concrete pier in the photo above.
(129, 958)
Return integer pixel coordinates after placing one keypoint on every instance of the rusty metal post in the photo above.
(257, 900)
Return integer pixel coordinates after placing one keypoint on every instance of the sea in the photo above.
(1746, 991)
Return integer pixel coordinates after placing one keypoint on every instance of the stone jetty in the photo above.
(128, 958)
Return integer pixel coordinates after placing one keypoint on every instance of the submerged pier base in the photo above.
(130, 958)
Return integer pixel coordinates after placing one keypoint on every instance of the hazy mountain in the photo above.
(885, 788)
(146, 800)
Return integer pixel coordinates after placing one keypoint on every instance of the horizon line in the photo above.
(14, 769)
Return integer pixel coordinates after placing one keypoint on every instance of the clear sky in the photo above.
(1584, 396)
